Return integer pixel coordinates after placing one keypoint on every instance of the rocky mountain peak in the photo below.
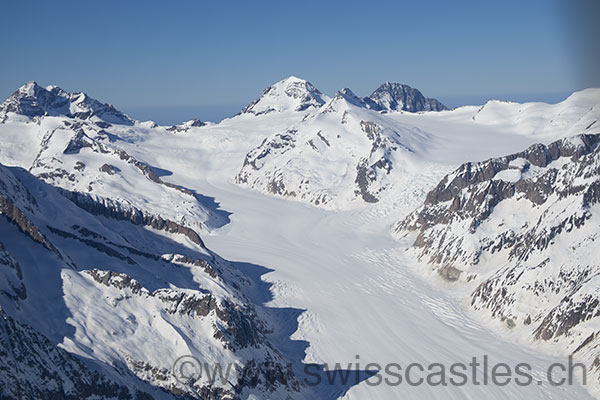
(186, 126)
(394, 96)
(30, 88)
(32, 100)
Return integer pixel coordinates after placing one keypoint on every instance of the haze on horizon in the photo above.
(157, 61)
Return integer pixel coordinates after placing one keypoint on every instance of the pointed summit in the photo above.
(290, 94)
(392, 96)
(32, 100)
(29, 88)
(350, 97)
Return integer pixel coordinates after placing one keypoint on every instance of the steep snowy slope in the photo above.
(26, 354)
(521, 233)
(106, 288)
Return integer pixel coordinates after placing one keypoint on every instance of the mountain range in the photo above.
(108, 266)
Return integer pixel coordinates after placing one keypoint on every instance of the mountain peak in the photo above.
(291, 93)
(390, 84)
(349, 96)
(346, 92)
(32, 100)
(291, 79)
(400, 97)
(29, 88)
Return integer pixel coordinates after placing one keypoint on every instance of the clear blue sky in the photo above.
(188, 58)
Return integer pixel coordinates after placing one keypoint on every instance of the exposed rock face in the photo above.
(14, 214)
(32, 100)
(254, 161)
(109, 169)
(371, 168)
(11, 274)
(393, 96)
(186, 126)
(111, 209)
(523, 230)
(262, 169)
(474, 189)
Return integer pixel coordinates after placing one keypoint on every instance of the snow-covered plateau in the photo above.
(307, 233)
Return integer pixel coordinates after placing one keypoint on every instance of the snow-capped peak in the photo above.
(289, 94)
(32, 100)
(350, 97)
(29, 88)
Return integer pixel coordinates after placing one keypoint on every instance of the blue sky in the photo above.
(185, 59)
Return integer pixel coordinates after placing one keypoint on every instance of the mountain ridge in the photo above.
(519, 232)
(389, 96)
(32, 100)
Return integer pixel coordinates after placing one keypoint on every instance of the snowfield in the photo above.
(293, 203)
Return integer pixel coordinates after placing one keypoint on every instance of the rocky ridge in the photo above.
(520, 231)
